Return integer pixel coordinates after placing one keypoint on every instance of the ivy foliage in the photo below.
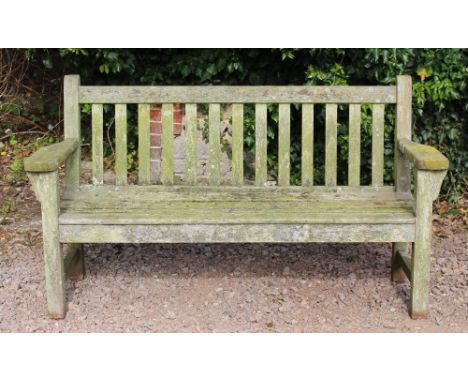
(440, 107)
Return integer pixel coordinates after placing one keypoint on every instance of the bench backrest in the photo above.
(260, 96)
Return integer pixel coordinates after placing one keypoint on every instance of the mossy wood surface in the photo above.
(307, 152)
(133, 210)
(238, 144)
(237, 94)
(144, 165)
(72, 128)
(238, 233)
(121, 144)
(191, 145)
(97, 123)
(354, 151)
(214, 145)
(49, 158)
(330, 144)
(423, 157)
(167, 141)
(261, 174)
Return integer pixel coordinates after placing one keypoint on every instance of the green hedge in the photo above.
(439, 89)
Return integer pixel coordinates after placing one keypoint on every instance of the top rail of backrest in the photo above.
(238, 94)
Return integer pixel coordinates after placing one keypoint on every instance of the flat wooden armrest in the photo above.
(423, 157)
(49, 158)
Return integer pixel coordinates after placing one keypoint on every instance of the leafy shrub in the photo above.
(15, 174)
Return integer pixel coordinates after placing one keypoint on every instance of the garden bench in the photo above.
(193, 212)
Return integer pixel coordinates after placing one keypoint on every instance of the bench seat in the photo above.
(190, 205)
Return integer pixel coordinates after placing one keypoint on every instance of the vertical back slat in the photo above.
(284, 144)
(378, 144)
(97, 122)
(71, 116)
(214, 145)
(354, 149)
(307, 149)
(331, 144)
(167, 143)
(403, 130)
(238, 144)
(144, 165)
(260, 144)
(121, 144)
(191, 145)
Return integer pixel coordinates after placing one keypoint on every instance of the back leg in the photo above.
(74, 261)
(398, 275)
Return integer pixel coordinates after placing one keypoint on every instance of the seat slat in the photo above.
(330, 144)
(97, 122)
(227, 193)
(134, 211)
(307, 161)
(377, 144)
(214, 145)
(354, 150)
(121, 144)
(222, 217)
(284, 144)
(167, 143)
(133, 206)
(191, 145)
(144, 166)
(260, 144)
(238, 144)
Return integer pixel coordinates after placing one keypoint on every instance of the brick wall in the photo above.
(180, 145)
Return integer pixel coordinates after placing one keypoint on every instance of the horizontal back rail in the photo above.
(237, 94)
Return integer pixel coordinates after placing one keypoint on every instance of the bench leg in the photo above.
(46, 187)
(420, 277)
(427, 188)
(398, 275)
(74, 261)
(54, 275)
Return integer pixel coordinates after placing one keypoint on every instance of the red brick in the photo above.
(155, 139)
(155, 113)
(178, 117)
(178, 107)
(156, 127)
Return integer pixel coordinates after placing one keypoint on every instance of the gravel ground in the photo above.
(227, 287)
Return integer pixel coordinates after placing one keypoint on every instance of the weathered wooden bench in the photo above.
(197, 213)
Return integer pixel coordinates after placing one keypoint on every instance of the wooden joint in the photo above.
(41, 182)
(432, 182)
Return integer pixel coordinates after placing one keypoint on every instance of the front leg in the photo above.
(427, 189)
(46, 187)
